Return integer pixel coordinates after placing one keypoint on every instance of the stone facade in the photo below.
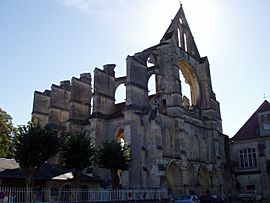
(176, 141)
(250, 153)
(66, 106)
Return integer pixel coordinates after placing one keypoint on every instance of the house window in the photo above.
(257, 131)
(247, 158)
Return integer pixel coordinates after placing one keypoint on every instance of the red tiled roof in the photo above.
(248, 130)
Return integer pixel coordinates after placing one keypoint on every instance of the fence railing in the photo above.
(55, 195)
(201, 190)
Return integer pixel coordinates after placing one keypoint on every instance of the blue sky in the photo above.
(45, 41)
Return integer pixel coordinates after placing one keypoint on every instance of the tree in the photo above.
(33, 145)
(6, 129)
(114, 156)
(78, 152)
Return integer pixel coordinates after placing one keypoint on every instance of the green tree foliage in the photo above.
(78, 152)
(33, 145)
(6, 129)
(114, 156)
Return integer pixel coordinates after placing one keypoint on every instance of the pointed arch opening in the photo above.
(189, 85)
(91, 105)
(150, 62)
(120, 94)
(152, 85)
(204, 179)
(179, 37)
(180, 20)
(186, 91)
(174, 178)
(185, 42)
(123, 175)
(192, 176)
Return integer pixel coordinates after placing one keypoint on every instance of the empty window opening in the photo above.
(185, 42)
(91, 105)
(189, 84)
(120, 94)
(150, 61)
(120, 138)
(257, 131)
(180, 20)
(152, 89)
(179, 37)
(186, 91)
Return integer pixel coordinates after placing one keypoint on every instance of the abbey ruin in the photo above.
(176, 141)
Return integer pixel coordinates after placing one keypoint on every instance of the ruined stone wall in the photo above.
(166, 135)
(65, 106)
(80, 102)
(59, 104)
(41, 106)
(176, 142)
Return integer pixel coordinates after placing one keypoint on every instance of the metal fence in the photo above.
(201, 190)
(54, 195)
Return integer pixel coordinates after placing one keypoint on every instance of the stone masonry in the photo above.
(176, 141)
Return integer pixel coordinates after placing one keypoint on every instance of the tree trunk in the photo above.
(77, 183)
(115, 179)
(30, 179)
(30, 183)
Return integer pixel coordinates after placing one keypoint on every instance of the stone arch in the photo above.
(152, 84)
(192, 176)
(204, 180)
(120, 81)
(179, 37)
(153, 72)
(185, 42)
(120, 94)
(119, 136)
(151, 61)
(120, 89)
(191, 79)
(174, 177)
(156, 102)
(217, 180)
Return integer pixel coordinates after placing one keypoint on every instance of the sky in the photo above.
(43, 42)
